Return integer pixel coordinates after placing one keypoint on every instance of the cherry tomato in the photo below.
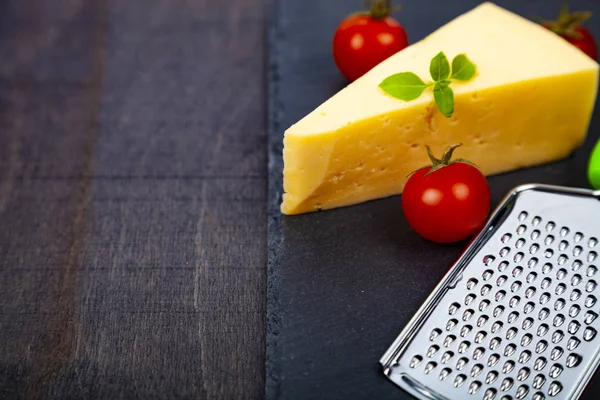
(568, 26)
(363, 40)
(447, 201)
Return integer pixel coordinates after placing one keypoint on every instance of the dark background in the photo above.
(132, 199)
(343, 283)
(133, 206)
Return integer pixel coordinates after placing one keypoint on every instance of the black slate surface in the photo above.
(343, 283)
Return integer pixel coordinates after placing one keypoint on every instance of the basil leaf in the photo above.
(444, 98)
(439, 68)
(462, 68)
(404, 86)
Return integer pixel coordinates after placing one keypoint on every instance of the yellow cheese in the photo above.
(529, 103)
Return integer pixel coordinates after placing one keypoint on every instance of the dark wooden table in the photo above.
(132, 199)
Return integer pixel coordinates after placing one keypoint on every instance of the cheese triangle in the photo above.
(529, 103)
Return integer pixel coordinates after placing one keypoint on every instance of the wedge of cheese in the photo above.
(529, 103)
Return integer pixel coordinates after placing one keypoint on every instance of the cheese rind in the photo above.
(530, 103)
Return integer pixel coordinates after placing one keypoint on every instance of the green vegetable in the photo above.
(594, 167)
(408, 86)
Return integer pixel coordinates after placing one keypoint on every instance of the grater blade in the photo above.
(516, 316)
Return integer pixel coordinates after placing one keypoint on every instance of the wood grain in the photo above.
(132, 199)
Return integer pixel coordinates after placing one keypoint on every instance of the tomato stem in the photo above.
(567, 22)
(380, 9)
(437, 163)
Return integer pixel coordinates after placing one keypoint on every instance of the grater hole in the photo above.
(446, 357)
(536, 221)
(526, 339)
(561, 274)
(434, 334)
(513, 317)
(556, 353)
(562, 259)
(516, 286)
(560, 289)
(542, 330)
(577, 237)
(508, 367)
(445, 373)
(534, 248)
(590, 317)
(502, 266)
(476, 370)
(550, 226)
(518, 257)
(557, 336)
(522, 392)
(517, 271)
(592, 242)
(577, 250)
(564, 231)
(573, 327)
(541, 346)
(576, 280)
(530, 292)
(591, 271)
(504, 251)
(485, 289)
(540, 363)
(464, 346)
(493, 360)
(432, 350)
(469, 298)
(576, 265)
(511, 333)
(451, 324)
(562, 246)
(488, 259)
(575, 295)
(523, 216)
(459, 380)
(500, 295)
(498, 311)
(489, 394)
(549, 240)
(527, 323)
(529, 307)
(573, 360)
(478, 353)
(494, 343)
(429, 367)
(415, 361)
(532, 262)
(497, 326)
(538, 381)
(543, 314)
(558, 320)
(507, 384)
(520, 243)
(535, 234)
(548, 253)
(462, 363)
(589, 334)
(547, 268)
(555, 371)
(559, 304)
(590, 286)
(592, 256)
(510, 349)
(465, 330)
(506, 238)
(484, 304)
(474, 387)
(501, 280)
(487, 274)
(479, 336)
(449, 340)
(545, 297)
(521, 229)
(482, 320)
(555, 388)
(472, 283)
(574, 311)
(538, 396)
(573, 343)
(514, 301)
(491, 377)
(453, 308)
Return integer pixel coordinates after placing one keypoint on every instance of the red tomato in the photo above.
(568, 26)
(448, 204)
(363, 40)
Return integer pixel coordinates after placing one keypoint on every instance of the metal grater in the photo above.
(516, 317)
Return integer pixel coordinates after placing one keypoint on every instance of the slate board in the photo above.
(343, 283)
